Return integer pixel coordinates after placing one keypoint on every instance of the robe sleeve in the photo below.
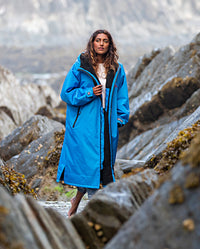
(72, 92)
(122, 100)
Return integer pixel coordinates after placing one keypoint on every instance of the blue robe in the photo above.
(91, 134)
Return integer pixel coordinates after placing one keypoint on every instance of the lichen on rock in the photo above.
(192, 155)
(53, 155)
(176, 147)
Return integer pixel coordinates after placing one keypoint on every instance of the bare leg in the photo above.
(75, 202)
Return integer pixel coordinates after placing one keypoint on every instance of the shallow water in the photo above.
(62, 206)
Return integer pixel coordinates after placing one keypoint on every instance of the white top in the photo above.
(101, 73)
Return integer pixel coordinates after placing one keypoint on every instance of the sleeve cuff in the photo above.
(120, 122)
(90, 92)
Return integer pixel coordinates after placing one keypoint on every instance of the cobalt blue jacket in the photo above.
(83, 152)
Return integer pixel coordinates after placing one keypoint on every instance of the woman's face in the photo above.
(101, 44)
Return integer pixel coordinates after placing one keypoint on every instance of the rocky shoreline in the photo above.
(153, 204)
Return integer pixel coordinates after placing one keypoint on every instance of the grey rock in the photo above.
(191, 105)
(110, 207)
(2, 163)
(20, 102)
(187, 122)
(51, 113)
(36, 183)
(25, 223)
(153, 142)
(168, 219)
(6, 123)
(142, 62)
(164, 91)
(31, 160)
(126, 165)
(152, 78)
(162, 69)
(22, 136)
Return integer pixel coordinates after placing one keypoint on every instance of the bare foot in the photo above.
(74, 203)
(73, 200)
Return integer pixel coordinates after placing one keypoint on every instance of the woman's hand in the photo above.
(97, 90)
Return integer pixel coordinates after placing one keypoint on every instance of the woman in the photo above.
(95, 90)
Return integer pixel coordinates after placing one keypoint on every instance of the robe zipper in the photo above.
(110, 107)
(76, 117)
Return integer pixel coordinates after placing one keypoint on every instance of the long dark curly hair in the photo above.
(111, 56)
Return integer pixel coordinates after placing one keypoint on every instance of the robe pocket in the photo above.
(77, 116)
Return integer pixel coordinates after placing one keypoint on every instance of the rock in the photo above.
(60, 111)
(111, 207)
(126, 165)
(33, 150)
(26, 224)
(21, 137)
(18, 108)
(45, 111)
(2, 163)
(143, 61)
(190, 105)
(173, 94)
(150, 80)
(153, 142)
(169, 218)
(7, 124)
(55, 114)
(189, 121)
(30, 161)
(165, 87)
(36, 183)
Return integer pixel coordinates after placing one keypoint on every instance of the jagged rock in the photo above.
(55, 114)
(143, 61)
(122, 166)
(1, 162)
(170, 217)
(21, 137)
(34, 151)
(26, 224)
(173, 94)
(190, 106)
(154, 141)
(111, 207)
(60, 112)
(187, 122)
(7, 124)
(150, 80)
(20, 102)
(45, 111)
(163, 88)
(30, 161)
